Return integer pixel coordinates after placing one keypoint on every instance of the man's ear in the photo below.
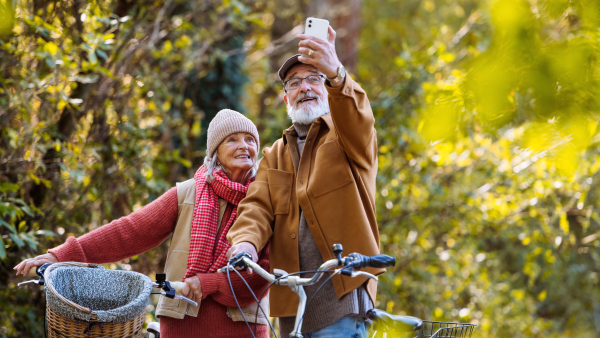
(285, 99)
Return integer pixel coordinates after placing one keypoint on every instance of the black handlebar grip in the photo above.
(378, 261)
(381, 261)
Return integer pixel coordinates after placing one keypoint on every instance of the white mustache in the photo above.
(303, 96)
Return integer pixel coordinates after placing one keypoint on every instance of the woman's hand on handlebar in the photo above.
(27, 264)
(243, 247)
(192, 289)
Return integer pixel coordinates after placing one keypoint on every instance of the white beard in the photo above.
(308, 113)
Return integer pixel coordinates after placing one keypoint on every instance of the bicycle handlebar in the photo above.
(346, 266)
(352, 262)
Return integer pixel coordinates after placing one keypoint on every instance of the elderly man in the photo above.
(316, 187)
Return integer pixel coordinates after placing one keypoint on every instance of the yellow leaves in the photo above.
(517, 294)
(196, 128)
(167, 47)
(550, 259)
(492, 84)
(447, 57)
(390, 306)
(187, 103)
(424, 243)
(542, 295)
(51, 48)
(439, 121)
(34, 178)
(564, 223)
(429, 5)
(382, 161)
(183, 42)
(510, 15)
(166, 106)
(400, 62)
(438, 313)
(149, 173)
(7, 21)
(18, 29)
(184, 162)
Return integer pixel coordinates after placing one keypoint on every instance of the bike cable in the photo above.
(257, 302)
(253, 333)
(277, 279)
(238, 304)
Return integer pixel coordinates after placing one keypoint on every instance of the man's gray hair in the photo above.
(212, 164)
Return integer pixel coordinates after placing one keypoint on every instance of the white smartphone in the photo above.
(317, 27)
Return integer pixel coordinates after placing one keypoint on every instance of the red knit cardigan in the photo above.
(146, 228)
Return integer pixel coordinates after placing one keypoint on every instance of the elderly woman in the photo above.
(199, 213)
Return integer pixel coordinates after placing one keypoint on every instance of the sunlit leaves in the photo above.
(488, 160)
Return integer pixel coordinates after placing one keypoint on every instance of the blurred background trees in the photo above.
(486, 113)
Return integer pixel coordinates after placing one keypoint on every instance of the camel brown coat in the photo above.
(334, 186)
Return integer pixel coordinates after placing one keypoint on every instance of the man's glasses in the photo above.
(295, 83)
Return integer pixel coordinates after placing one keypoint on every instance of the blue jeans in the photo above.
(346, 327)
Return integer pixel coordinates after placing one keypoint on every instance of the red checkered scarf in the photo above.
(206, 221)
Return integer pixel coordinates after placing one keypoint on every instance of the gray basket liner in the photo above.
(115, 296)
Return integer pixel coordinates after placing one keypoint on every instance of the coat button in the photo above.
(347, 90)
(293, 236)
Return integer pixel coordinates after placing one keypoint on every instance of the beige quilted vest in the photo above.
(176, 265)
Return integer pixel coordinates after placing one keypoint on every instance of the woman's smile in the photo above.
(237, 154)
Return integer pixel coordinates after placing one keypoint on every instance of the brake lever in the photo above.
(364, 274)
(238, 262)
(35, 281)
(185, 299)
(40, 272)
(348, 271)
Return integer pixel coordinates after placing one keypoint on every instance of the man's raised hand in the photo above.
(323, 55)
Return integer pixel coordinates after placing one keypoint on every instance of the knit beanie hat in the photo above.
(225, 123)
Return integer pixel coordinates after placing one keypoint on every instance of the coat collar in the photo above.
(291, 131)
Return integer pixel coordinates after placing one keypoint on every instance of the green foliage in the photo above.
(104, 107)
(487, 123)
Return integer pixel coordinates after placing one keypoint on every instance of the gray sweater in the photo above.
(325, 309)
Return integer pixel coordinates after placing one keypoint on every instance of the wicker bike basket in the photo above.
(430, 329)
(84, 300)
